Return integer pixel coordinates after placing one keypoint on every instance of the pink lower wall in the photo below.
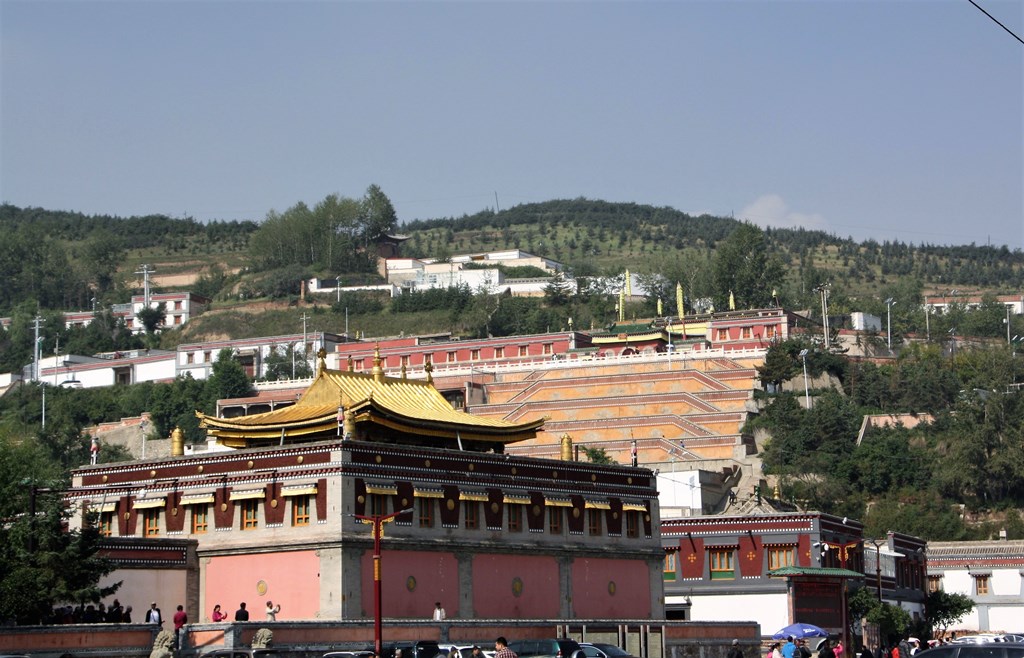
(411, 582)
(290, 579)
(516, 587)
(610, 589)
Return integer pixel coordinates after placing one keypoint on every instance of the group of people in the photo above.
(92, 614)
(797, 648)
(242, 614)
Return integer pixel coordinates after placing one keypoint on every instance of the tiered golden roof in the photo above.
(381, 408)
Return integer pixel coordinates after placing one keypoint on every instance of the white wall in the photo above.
(771, 611)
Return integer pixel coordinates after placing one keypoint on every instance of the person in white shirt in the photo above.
(438, 612)
(272, 611)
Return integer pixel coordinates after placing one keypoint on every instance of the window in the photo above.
(515, 518)
(405, 360)
(723, 334)
(151, 522)
(190, 357)
(780, 556)
(981, 585)
(548, 348)
(474, 355)
(594, 522)
(721, 564)
(106, 524)
(632, 524)
(671, 560)
(207, 356)
(499, 352)
(746, 333)
(426, 512)
(934, 583)
(300, 510)
(200, 520)
(177, 305)
(770, 331)
(177, 319)
(524, 350)
(359, 364)
(472, 514)
(378, 505)
(250, 510)
(428, 358)
(451, 356)
(555, 520)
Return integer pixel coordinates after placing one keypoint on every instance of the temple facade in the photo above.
(277, 510)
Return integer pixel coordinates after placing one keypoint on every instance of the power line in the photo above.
(996, 21)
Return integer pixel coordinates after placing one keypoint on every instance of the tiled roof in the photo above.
(815, 571)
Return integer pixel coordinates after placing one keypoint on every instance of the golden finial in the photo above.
(378, 371)
(777, 494)
(177, 442)
(322, 356)
(566, 448)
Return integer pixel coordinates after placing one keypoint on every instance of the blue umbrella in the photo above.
(798, 631)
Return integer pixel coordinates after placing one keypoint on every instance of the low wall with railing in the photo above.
(311, 639)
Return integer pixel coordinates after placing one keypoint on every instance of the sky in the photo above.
(888, 120)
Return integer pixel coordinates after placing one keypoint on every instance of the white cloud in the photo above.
(771, 210)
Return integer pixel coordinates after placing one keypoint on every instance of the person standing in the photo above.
(272, 611)
(438, 612)
(241, 614)
(153, 615)
(501, 649)
(180, 619)
(789, 648)
(735, 651)
(217, 614)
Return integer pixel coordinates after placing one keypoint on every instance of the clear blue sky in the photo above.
(885, 120)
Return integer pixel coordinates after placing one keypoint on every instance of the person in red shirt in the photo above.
(180, 619)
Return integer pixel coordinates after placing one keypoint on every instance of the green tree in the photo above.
(228, 378)
(284, 363)
(742, 265)
(152, 317)
(378, 216)
(597, 455)
(942, 609)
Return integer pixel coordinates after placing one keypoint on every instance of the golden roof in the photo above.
(397, 404)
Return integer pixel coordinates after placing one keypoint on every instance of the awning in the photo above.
(148, 503)
(299, 490)
(473, 495)
(427, 493)
(381, 489)
(103, 508)
(197, 499)
(517, 500)
(246, 495)
(633, 507)
(557, 502)
(598, 504)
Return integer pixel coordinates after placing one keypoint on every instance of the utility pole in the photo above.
(145, 271)
(36, 350)
(305, 351)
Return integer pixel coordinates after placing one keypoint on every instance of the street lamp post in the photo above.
(888, 321)
(378, 521)
(1007, 323)
(807, 391)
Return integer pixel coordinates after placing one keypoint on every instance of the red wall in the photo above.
(411, 581)
(292, 581)
(609, 589)
(495, 587)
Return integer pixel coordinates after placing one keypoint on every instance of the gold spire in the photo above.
(322, 363)
(566, 448)
(177, 442)
(378, 371)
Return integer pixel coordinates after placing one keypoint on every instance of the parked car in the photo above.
(466, 650)
(348, 654)
(1013, 637)
(554, 648)
(980, 637)
(974, 650)
(242, 652)
(422, 649)
(603, 650)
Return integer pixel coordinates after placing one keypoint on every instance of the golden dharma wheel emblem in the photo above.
(261, 587)
(273, 503)
(629, 480)
(174, 511)
(611, 587)
(152, 473)
(514, 470)
(450, 504)
(615, 515)
(127, 515)
(536, 510)
(199, 469)
(299, 459)
(361, 499)
(249, 464)
(223, 507)
(378, 459)
(575, 512)
(104, 478)
(593, 477)
(426, 463)
(517, 586)
(410, 583)
(494, 508)
(472, 467)
(405, 503)
(554, 475)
